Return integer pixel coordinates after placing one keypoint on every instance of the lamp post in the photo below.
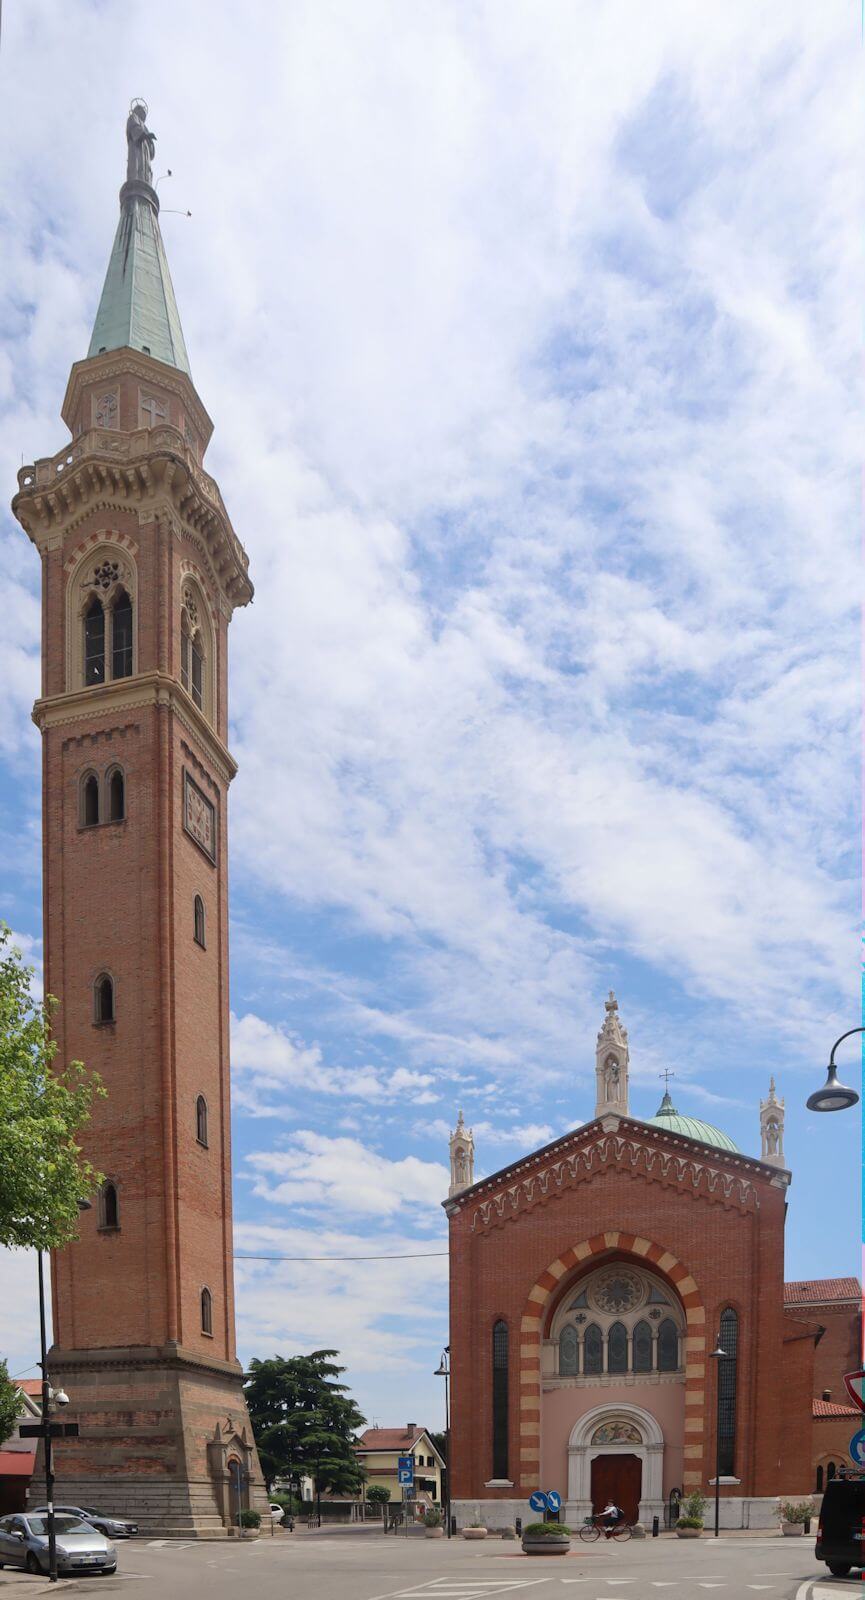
(834, 1096)
(718, 1355)
(443, 1371)
(83, 1205)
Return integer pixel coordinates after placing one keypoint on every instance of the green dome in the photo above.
(668, 1117)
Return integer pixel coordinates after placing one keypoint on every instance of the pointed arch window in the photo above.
(569, 1352)
(201, 1120)
(207, 1313)
(668, 1346)
(193, 650)
(593, 1350)
(103, 998)
(199, 929)
(819, 1485)
(109, 1209)
(121, 636)
(500, 1400)
(90, 800)
(642, 1341)
(116, 796)
(617, 1348)
(727, 1385)
(831, 1471)
(94, 642)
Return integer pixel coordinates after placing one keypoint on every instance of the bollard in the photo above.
(519, 1527)
(655, 1527)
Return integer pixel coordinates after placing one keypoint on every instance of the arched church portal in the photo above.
(616, 1453)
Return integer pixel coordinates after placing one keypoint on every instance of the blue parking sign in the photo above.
(405, 1470)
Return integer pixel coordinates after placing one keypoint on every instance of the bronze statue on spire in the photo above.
(140, 145)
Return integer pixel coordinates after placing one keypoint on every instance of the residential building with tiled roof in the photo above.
(379, 1449)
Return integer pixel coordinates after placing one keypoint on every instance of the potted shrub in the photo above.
(474, 1530)
(250, 1522)
(546, 1539)
(794, 1514)
(432, 1523)
(690, 1523)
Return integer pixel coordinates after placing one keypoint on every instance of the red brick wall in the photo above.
(734, 1253)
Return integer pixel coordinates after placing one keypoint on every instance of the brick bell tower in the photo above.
(141, 571)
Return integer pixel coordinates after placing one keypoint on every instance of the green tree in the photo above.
(10, 1403)
(377, 1494)
(304, 1421)
(42, 1171)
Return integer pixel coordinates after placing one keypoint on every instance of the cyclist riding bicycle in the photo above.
(610, 1517)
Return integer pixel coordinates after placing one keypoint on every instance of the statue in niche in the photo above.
(140, 145)
(773, 1142)
(461, 1165)
(611, 1078)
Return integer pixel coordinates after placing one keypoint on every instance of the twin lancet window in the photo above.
(107, 626)
(191, 649)
(102, 802)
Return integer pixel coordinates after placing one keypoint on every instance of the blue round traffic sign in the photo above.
(554, 1500)
(538, 1501)
(857, 1448)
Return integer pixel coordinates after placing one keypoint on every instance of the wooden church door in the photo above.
(618, 1478)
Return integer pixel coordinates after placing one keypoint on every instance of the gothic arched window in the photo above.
(198, 926)
(642, 1339)
(201, 1120)
(193, 648)
(207, 1312)
(116, 796)
(668, 1346)
(831, 1470)
(727, 1374)
(569, 1352)
(103, 998)
(90, 801)
(819, 1485)
(109, 1210)
(617, 1348)
(94, 642)
(121, 636)
(593, 1350)
(500, 1400)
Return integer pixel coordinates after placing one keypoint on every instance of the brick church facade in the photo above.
(141, 571)
(590, 1283)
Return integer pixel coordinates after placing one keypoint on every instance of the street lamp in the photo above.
(834, 1096)
(443, 1371)
(718, 1355)
(47, 1395)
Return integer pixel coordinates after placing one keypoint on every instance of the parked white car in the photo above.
(277, 1513)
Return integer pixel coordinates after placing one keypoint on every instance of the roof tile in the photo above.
(819, 1291)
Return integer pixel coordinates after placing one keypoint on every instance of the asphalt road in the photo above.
(369, 1566)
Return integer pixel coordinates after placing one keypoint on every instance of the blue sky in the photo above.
(531, 335)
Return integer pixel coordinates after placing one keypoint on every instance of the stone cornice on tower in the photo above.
(145, 689)
(145, 469)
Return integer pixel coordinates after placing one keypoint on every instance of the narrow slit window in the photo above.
(201, 1120)
(642, 1361)
(593, 1350)
(94, 643)
(727, 1386)
(668, 1346)
(184, 652)
(121, 636)
(207, 1312)
(116, 796)
(500, 1400)
(105, 998)
(197, 671)
(569, 1351)
(198, 922)
(90, 801)
(617, 1348)
(110, 1207)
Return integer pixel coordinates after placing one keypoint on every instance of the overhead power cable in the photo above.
(409, 1255)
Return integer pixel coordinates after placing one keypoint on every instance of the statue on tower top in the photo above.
(140, 145)
(772, 1129)
(462, 1152)
(611, 1063)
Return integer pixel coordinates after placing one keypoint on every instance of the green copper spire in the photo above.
(138, 307)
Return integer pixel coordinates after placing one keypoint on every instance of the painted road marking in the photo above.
(463, 1589)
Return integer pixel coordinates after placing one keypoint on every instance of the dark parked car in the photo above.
(24, 1543)
(841, 1531)
(112, 1527)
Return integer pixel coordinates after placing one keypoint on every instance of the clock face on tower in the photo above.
(199, 816)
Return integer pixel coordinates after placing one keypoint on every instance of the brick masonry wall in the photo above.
(728, 1246)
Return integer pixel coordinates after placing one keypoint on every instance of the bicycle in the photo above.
(592, 1530)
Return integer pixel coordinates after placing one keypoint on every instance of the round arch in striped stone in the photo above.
(531, 1333)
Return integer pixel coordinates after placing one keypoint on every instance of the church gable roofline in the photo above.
(579, 1137)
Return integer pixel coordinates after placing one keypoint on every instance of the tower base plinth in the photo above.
(164, 1440)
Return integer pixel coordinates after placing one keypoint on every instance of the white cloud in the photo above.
(344, 1177)
(268, 1063)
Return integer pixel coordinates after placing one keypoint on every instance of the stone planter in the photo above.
(541, 1546)
(792, 1530)
(433, 1533)
(249, 1533)
(689, 1533)
(474, 1533)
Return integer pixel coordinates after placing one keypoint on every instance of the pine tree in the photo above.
(304, 1421)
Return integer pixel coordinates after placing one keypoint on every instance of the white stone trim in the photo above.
(581, 1454)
